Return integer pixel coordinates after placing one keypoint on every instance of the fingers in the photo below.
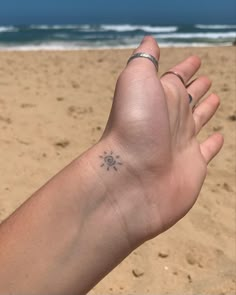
(204, 111)
(211, 147)
(186, 69)
(148, 45)
(198, 88)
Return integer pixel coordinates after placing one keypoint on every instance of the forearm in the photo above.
(68, 235)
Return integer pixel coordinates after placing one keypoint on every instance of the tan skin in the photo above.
(86, 219)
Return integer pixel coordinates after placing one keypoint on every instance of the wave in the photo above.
(150, 29)
(215, 27)
(61, 36)
(8, 29)
(53, 27)
(193, 44)
(62, 46)
(79, 28)
(198, 35)
(84, 36)
(103, 27)
(38, 47)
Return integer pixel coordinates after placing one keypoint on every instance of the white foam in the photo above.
(125, 28)
(215, 35)
(43, 46)
(63, 46)
(54, 27)
(193, 44)
(103, 27)
(215, 27)
(8, 29)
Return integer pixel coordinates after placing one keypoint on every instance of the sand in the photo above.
(54, 105)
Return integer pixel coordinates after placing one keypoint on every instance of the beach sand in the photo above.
(54, 105)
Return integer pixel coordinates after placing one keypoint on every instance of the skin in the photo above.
(87, 219)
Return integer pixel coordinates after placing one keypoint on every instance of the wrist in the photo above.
(117, 192)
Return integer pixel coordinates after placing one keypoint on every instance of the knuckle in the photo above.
(198, 115)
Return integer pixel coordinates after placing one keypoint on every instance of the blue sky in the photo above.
(117, 11)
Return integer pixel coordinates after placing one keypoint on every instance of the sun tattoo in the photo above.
(110, 161)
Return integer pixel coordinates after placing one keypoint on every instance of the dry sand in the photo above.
(54, 105)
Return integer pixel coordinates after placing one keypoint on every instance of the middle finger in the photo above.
(198, 88)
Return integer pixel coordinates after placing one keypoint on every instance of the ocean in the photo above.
(73, 37)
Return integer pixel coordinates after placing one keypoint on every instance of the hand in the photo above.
(155, 128)
(95, 215)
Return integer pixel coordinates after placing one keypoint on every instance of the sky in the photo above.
(156, 12)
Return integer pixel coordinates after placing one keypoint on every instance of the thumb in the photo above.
(138, 86)
(138, 93)
(148, 46)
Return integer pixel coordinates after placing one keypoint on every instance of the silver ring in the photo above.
(145, 55)
(176, 74)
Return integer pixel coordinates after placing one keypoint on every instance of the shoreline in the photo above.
(61, 49)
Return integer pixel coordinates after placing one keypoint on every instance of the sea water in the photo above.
(70, 37)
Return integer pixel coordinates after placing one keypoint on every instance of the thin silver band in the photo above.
(176, 74)
(145, 55)
(182, 80)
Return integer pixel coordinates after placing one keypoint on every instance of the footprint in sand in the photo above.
(6, 120)
(62, 144)
(232, 117)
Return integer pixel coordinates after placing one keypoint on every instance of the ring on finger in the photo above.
(182, 80)
(176, 74)
(190, 83)
(145, 55)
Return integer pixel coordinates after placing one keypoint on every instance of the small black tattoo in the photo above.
(110, 161)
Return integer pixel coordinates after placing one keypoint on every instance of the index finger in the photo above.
(186, 69)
